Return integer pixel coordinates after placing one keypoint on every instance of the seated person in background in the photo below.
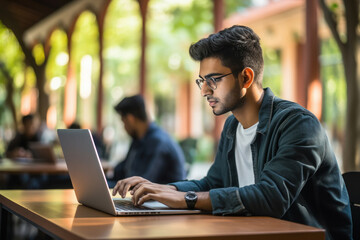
(153, 154)
(273, 159)
(19, 146)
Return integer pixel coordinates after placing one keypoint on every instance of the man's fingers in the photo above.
(126, 185)
(116, 188)
(146, 197)
(126, 188)
(138, 193)
(123, 186)
(137, 186)
(119, 187)
(141, 191)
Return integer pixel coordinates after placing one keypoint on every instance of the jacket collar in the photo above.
(266, 111)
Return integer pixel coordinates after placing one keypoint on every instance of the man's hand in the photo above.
(165, 194)
(143, 190)
(133, 183)
(123, 186)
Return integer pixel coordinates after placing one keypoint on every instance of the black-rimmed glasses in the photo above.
(210, 81)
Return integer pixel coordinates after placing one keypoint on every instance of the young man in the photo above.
(153, 154)
(273, 159)
(19, 146)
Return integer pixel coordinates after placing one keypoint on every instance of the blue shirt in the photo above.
(296, 173)
(156, 157)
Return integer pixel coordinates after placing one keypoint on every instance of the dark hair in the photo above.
(237, 47)
(27, 118)
(132, 105)
(74, 125)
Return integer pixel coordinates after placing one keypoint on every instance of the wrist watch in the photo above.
(191, 198)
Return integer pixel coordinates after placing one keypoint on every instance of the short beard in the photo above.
(230, 108)
(235, 99)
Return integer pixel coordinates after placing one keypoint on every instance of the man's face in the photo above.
(129, 124)
(228, 95)
(30, 128)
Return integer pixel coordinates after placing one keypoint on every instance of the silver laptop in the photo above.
(88, 179)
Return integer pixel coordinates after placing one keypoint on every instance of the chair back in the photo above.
(352, 182)
(188, 145)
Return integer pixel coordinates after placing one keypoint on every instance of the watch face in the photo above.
(191, 196)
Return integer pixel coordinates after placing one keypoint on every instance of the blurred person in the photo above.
(19, 145)
(18, 148)
(273, 159)
(153, 154)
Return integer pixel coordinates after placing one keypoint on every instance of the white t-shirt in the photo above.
(243, 155)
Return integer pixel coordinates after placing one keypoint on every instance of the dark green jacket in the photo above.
(296, 173)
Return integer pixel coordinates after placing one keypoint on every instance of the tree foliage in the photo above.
(12, 75)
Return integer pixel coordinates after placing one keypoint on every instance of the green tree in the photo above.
(11, 73)
(349, 46)
(29, 59)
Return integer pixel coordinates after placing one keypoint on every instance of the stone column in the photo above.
(218, 22)
(311, 60)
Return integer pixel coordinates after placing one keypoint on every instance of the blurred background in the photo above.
(72, 60)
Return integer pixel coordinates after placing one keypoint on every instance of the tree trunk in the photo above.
(43, 98)
(349, 49)
(9, 94)
(351, 127)
(349, 55)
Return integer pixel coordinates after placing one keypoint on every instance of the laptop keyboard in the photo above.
(125, 205)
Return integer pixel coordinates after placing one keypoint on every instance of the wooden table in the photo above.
(8, 166)
(10, 169)
(58, 214)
